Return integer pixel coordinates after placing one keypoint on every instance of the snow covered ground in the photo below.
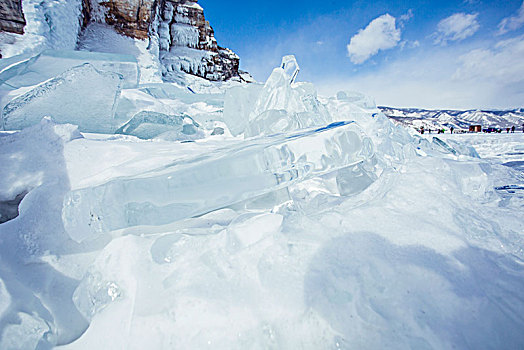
(420, 245)
(429, 256)
(504, 148)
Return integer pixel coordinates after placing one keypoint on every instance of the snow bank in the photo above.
(420, 246)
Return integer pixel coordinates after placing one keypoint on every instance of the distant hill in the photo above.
(434, 119)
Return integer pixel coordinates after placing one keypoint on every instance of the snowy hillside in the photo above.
(140, 213)
(438, 119)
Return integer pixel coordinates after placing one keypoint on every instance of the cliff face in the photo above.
(11, 16)
(186, 40)
(180, 37)
(129, 17)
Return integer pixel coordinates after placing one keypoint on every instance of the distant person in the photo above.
(429, 131)
(507, 130)
(422, 129)
(452, 128)
(513, 129)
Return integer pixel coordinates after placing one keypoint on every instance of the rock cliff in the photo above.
(179, 36)
(129, 17)
(186, 40)
(11, 16)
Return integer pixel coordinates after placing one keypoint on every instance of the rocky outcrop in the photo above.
(186, 40)
(11, 16)
(180, 37)
(86, 13)
(129, 17)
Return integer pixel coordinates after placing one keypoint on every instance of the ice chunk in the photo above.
(218, 131)
(290, 66)
(357, 98)
(94, 294)
(173, 92)
(277, 94)
(29, 332)
(355, 106)
(314, 109)
(168, 99)
(304, 111)
(194, 187)
(271, 122)
(147, 125)
(354, 179)
(13, 66)
(463, 149)
(239, 102)
(34, 70)
(454, 147)
(82, 95)
(280, 106)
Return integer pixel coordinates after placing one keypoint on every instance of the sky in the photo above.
(463, 54)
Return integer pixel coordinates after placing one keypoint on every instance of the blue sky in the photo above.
(431, 54)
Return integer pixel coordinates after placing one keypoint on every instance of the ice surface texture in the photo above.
(28, 71)
(148, 125)
(82, 95)
(14, 66)
(36, 309)
(194, 187)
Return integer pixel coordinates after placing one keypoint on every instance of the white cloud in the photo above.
(487, 75)
(406, 17)
(409, 44)
(456, 27)
(513, 22)
(380, 34)
(502, 63)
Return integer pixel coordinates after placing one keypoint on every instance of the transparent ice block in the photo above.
(26, 71)
(82, 95)
(147, 125)
(212, 181)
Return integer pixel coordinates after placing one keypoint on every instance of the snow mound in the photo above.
(326, 226)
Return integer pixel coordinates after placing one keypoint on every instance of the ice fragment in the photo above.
(93, 294)
(194, 187)
(82, 95)
(239, 102)
(29, 71)
(280, 106)
(147, 125)
(290, 66)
